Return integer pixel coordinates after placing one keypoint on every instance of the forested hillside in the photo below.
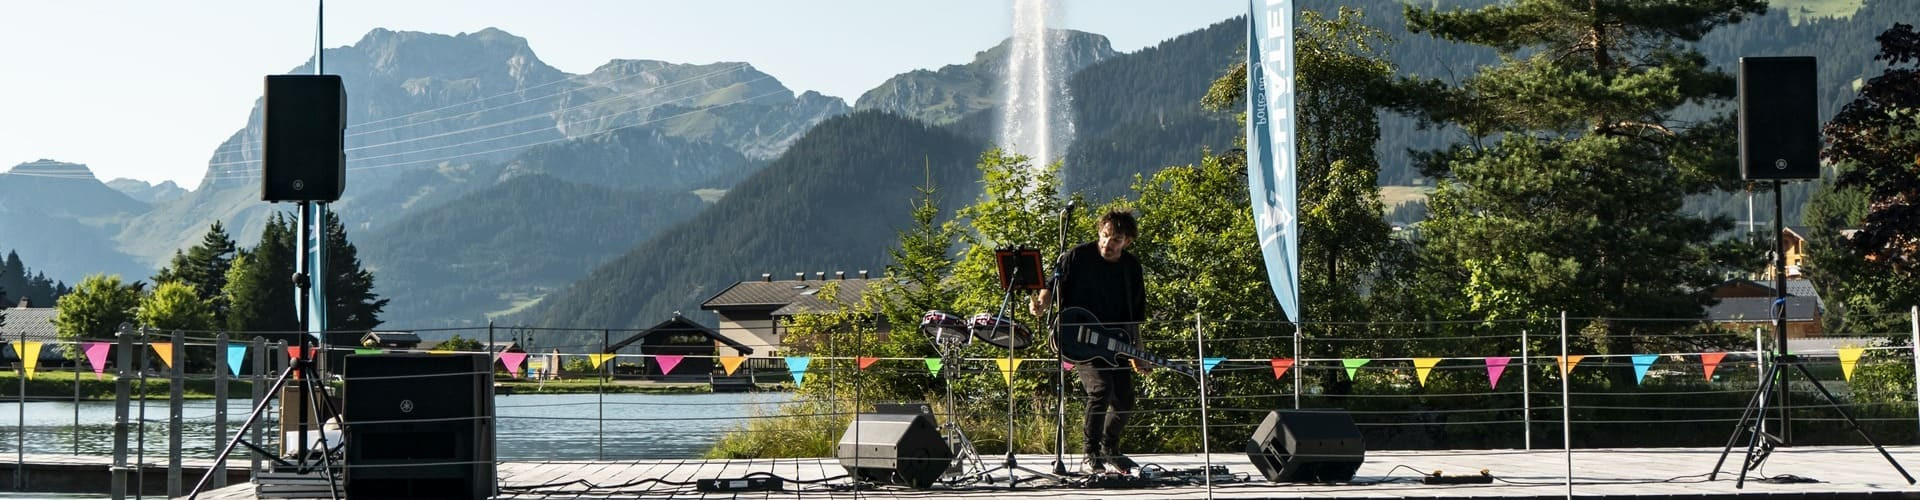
(834, 201)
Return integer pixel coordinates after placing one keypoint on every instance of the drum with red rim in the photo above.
(999, 331)
(944, 328)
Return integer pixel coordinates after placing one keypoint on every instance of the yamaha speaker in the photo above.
(304, 124)
(419, 426)
(894, 449)
(1307, 446)
(1779, 118)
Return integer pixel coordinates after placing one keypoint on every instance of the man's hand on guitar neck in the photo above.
(1143, 367)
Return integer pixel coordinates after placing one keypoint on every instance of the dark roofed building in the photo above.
(751, 310)
(33, 324)
(682, 337)
(1743, 314)
(390, 340)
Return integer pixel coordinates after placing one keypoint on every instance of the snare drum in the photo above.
(999, 331)
(944, 328)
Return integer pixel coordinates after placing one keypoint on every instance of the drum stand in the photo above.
(966, 459)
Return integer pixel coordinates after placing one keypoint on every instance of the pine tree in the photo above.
(351, 302)
(1568, 196)
(259, 290)
(204, 267)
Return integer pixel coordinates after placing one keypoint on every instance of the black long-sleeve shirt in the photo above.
(1113, 291)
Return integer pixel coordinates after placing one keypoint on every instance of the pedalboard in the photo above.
(741, 484)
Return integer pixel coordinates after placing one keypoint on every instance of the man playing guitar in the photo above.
(1101, 277)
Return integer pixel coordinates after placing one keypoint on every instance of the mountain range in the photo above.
(485, 184)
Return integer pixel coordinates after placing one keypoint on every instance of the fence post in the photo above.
(1566, 405)
(1298, 367)
(258, 388)
(123, 358)
(1914, 320)
(1526, 390)
(1206, 450)
(219, 405)
(81, 352)
(176, 399)
(20, 426)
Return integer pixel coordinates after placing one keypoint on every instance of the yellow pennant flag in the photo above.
(166, 353)
(1568, 362)
(1006, 369)
(29, 354)
(1849, 357)
(731, 363)
(598, 358)
(1424, 367)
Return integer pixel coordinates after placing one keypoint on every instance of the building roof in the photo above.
(680, 324)
(775, 294)
(393, 337)
(34, 323)
(1749, 309)
(809, 300)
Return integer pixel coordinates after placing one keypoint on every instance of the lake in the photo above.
(531, 426)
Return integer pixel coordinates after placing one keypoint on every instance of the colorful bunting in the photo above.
(166, 353)
(599, 358)
(1353, 365)
(731, 363)
(97, 356)
(1568, 362)
(1207, 364)
(1066, 366)
(667, 362)
(1280, 366)
(1641, 362)
(1007, 368)
(1423, 367)
(933, 366)
(1849, 357)
(865, 361)
(512, 360)
(236, 355)
(1495, 366)
(295, 352)
(368, 350)
(798, 366)
(29, 355)
(1711, 360)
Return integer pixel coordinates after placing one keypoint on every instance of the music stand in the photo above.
(1019, 269)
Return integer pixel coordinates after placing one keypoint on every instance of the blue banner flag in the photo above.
(236, 354)
(1270, 146)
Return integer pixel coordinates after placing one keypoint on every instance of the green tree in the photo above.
(461, 344)
(176, 306)
(259, 288)
(95, 310)
(1869, 275)
(351, 302)
(204, 267)
(1568, 197)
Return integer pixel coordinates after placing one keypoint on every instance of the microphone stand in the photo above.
(1060, 382)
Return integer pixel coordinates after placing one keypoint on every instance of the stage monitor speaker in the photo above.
(419, 426)
(1301, 446)
(894, 449)
(304, 129)
(1779, 118)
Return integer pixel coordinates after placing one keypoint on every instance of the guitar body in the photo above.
(1079, 337)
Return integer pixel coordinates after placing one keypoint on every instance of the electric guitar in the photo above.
(1079, 338)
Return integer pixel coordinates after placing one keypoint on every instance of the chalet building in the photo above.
(755, 311)
(33, 324)
(1746, 304)
(390, 340)
(1795, 239)
(681, 337)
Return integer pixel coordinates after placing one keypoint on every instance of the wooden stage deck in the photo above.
(1841, 472)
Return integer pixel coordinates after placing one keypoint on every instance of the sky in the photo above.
(147, 90)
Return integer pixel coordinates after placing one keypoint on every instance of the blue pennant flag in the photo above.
(798, 366)
(236, 354)
(1640, 364)
(1207, 364)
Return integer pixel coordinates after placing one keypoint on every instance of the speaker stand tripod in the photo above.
(1756, 412)
(312, 389)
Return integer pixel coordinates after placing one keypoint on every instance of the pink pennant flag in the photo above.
(667, 362)
(512, 360)
(97, 356)
(1066, 366)
(1495, 366)
(1711, 360)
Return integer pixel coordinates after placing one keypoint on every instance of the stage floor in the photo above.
(1666, 472)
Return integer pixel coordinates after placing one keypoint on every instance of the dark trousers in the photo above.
(1109, 403)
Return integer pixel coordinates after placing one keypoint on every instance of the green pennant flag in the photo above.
(1353, 365)
(933, 366)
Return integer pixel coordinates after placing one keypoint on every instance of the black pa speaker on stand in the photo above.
(304, 133)
(1779, 118)
(1318, 446)
(894, 449)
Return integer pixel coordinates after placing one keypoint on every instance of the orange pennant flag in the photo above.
(1568, 362)
(1711, 360)
(731, 363)
(166, 353)
(865, 361)
(1280, 366)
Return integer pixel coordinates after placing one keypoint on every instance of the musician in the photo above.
(1103, 278)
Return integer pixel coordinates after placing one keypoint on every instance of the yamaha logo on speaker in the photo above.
(406, 406)
(1778, 164)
